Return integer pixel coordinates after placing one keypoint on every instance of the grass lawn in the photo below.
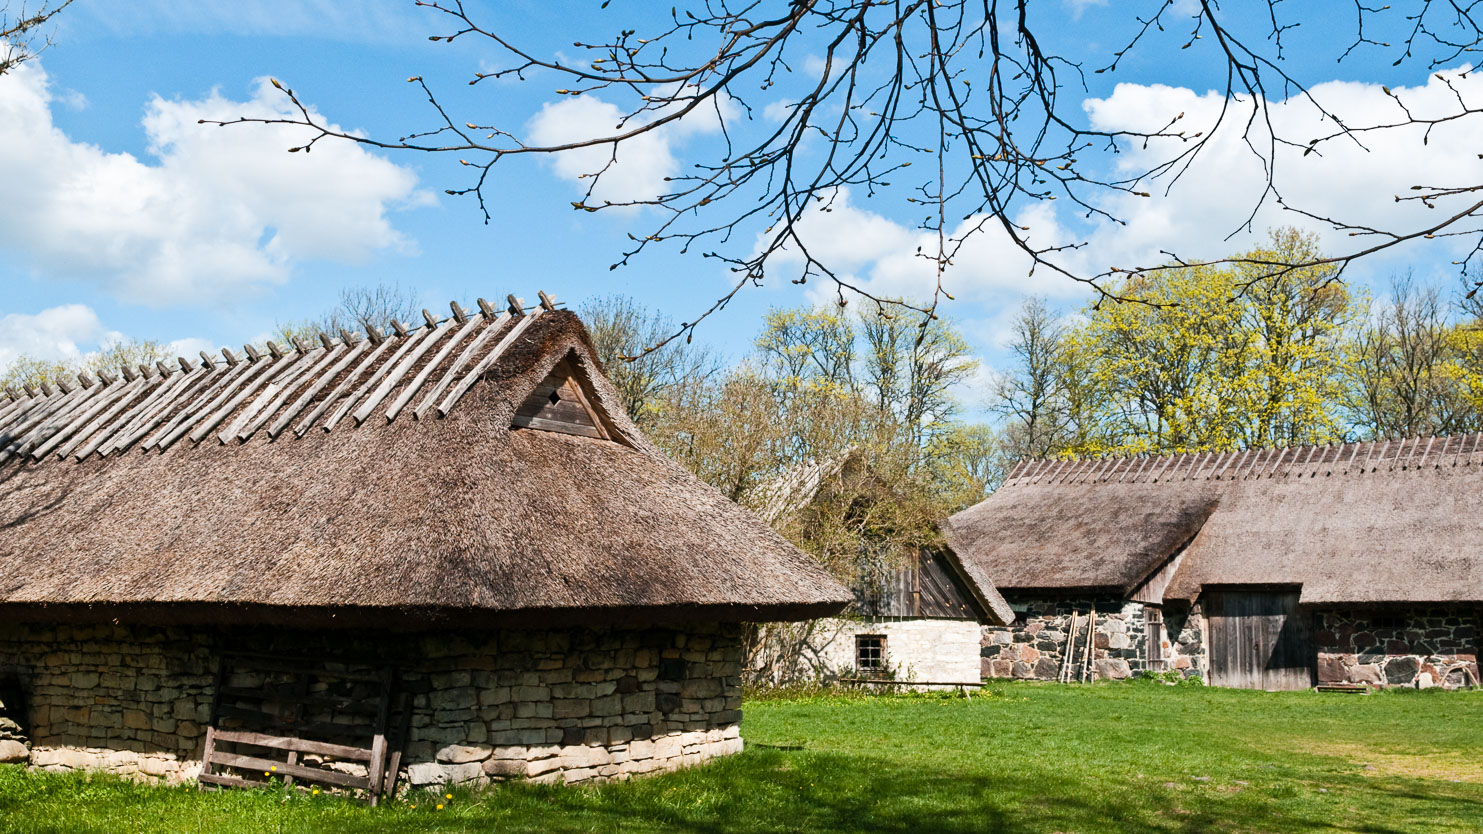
(1025, 758)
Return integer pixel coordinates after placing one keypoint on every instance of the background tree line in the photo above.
(1220, 359)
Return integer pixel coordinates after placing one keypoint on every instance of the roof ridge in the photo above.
(151, 408)
(1302, 460)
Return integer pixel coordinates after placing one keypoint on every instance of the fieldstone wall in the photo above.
(1033, 647)
(575, 705)
(1183, 641)
(127, 700)
(1421, 647)
(567, 706)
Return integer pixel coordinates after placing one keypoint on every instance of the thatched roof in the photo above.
(253, 492)
(1390, 521)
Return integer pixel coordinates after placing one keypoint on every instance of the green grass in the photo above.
(1024, 758)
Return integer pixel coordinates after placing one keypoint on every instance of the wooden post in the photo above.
(1091, 643)
(210, 747)
(377, 767)
(404, 727)
(1066, 654)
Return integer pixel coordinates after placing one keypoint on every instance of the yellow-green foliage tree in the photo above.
(34, 372)
(1218, 358)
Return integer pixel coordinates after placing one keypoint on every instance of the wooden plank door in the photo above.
(1259, 640)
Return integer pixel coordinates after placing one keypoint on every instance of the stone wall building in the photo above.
(1270, 569)
(439, 555)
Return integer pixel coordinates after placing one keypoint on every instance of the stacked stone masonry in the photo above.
(1034, 646)
(1421, 648)
(572, 705)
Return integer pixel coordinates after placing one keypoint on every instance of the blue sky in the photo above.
(126, 217)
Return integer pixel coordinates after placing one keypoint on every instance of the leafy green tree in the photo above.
(1220, 358)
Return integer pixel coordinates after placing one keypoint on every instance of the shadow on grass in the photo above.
(771, 791)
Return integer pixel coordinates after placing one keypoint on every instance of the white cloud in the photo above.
(219, 211)
(57, 333)
(1356, 182)
(886, 258)
(191, 348)
(71, 332)
(643, 161)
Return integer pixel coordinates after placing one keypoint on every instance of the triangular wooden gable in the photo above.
(559, 404)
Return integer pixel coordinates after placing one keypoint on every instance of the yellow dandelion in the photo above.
(440, 806)
(447, 796)
(265, 773)
(274, 767)
(316, 792)
(414, 807)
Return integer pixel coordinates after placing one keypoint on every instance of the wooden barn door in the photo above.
(1259, 640)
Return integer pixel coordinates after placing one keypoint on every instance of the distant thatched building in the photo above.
(1269, 569)
(444, 552)
(915, 616)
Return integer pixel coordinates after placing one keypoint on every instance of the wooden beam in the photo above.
(33, 430)
(459, 333)
(312, 774)
(210, 421)
(97, 404)
(130, 390)
(430, 338)
(592, 413)
(463, 385)
(301, 745)
(317, 385)
(286, 389)
(260, 407)
(233, 379)
(339, 391)
(146, 417)
(430, 399)
(371, 382)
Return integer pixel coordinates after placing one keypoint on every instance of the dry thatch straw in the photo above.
(1359, 523)
(404, 522)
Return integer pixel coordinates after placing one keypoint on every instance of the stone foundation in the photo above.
(569, 706)
(1033, 647)
(1420, 647)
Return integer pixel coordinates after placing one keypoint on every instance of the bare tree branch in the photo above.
(22, 35)
(865, 90)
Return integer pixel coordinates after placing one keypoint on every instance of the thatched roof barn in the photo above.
(1387, 523)
(473, 472)
(915, 614)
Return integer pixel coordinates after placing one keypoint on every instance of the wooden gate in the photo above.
(304, 721)
(1259, 640)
